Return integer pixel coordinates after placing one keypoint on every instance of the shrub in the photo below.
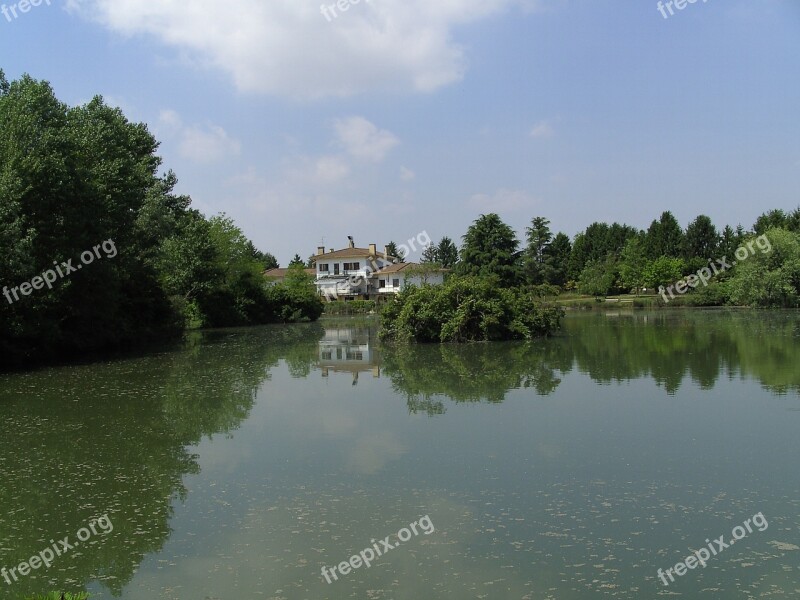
(353, 307)
(467, 309)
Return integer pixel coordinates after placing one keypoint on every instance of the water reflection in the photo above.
(670, 347)
(80, 442)
(350, 349)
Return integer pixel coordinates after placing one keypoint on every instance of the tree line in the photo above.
(72, 177)
(618, 258)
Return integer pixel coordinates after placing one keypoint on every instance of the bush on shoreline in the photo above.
(467, 309)
(353, 307)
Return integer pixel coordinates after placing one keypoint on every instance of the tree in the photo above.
(296, 298)
(539, 237)
(770, 220)
(793, 221)
(701, 240)
(70, 179)
(599, 277)
(265, 259)
(74, 180)
(557, 260)
(730, 241)
(447, 253)
(490, 250)
(297, 262)
(633, 263)
(392, 249)
(663, 271)
(771, 277)
(430, 254)
(664, 237)
(596, 243)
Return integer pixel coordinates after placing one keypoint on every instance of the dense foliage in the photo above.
(490, 250)
(72, 178)
(350, 307)
(466, 309)
(613, 259)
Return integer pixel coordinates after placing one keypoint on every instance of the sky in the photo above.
(397, 117)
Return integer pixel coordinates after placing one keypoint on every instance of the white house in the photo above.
(393, 278)
(354, 273)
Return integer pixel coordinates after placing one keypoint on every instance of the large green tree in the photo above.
(664, 237)
(596, 243)
(770, 275)
(447, 253)
(71, 179)
(539, 238)
(701, 240)
(556, 257)
(490, 249)
(81, 188)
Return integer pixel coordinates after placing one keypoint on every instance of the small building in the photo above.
(392, 279)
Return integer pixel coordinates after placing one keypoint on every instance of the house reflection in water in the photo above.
(349, 350)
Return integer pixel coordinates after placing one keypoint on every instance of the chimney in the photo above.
(320, 250)
(373, 249)
(386, 251)
(331, 250)
(352, 243)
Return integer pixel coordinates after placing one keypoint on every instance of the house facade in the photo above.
(364, 273)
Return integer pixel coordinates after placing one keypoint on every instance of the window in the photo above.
(352, 266)
(395, 283)
(327, 355)
(381, 283)
(324, 268)
(336, 269)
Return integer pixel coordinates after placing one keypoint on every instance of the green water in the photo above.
(239, 464)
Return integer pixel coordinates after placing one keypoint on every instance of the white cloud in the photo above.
(503, 200)
(207, 144)
(543, 129)
(407, 174)
(331, 169)
(363, 140)
(288, 48)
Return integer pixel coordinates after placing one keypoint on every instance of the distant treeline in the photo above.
(75, 180)
(617, 258)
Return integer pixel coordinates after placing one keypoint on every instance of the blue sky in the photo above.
(403, 116)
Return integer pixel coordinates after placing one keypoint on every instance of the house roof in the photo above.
(395, 268)
(398, 267)
(352, 253)
(281, 273)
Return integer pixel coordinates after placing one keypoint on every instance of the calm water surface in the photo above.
(241, 463)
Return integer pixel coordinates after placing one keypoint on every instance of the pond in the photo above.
(243, 462)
